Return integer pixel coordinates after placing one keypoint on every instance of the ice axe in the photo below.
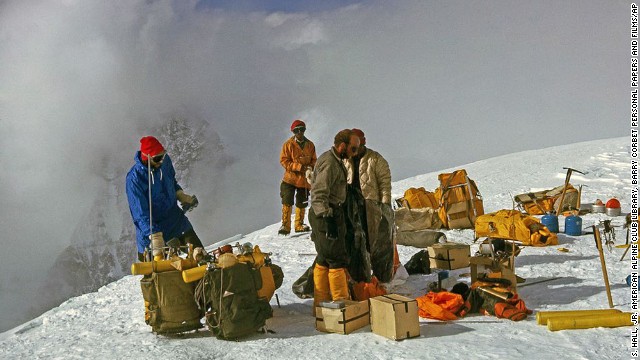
(596, 234)
(564, 191)
(579, 205)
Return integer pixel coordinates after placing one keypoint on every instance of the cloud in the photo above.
(292, 31)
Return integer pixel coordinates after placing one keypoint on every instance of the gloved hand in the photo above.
(157, 243)
(199, 254)
(308, 174)
(332, 225)
(187, 202)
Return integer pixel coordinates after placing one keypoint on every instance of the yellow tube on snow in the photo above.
(146, 268)
(588, 322)
(543, 316)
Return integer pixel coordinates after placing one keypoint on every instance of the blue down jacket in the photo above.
(167, 216)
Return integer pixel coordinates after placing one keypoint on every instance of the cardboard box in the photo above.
(394, 316)
(485, 265)
(345, 320)
(449, 256)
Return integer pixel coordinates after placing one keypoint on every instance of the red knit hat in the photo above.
(297, 124)
(150, 146)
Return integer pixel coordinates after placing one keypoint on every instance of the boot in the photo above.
(299, 226)
(321, 290)
(338, 284)
(285, 229)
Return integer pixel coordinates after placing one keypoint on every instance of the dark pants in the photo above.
(380, 235)
(188, 237)
(332, 252)
(356, 239)
(287, 192)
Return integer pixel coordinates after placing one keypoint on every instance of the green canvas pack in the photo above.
(171, 305)
(230, 297)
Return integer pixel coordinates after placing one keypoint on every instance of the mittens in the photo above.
(332, 227)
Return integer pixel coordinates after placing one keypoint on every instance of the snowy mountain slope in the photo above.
(110, 322)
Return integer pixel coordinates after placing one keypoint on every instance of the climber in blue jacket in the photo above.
(166, 220)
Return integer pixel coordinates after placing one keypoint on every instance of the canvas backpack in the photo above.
(541, 202)
(419, 198)
(170, 304)
(419, 263)
(459, 199)
(230, 297)
(303, 287)
(416, 219)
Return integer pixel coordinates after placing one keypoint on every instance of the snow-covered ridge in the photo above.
(110, 322)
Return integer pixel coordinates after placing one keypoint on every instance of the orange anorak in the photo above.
(295, 160)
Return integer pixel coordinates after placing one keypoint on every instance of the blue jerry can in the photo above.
(573, 225)
(551, 222)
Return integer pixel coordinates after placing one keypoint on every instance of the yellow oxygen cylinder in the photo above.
(146, 268)
(268, 284)
(194, 274)
(543, 316)
(587, 322)
(197, 273)
(256, 257)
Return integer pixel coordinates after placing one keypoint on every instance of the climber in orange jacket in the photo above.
(298, 157)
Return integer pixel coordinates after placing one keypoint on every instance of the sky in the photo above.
(432, 84)
(308, 6)
(555, 281)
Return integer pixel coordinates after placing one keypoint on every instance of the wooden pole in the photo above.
(625, 252)
(564, 191)
(579, 198)
(596, 234)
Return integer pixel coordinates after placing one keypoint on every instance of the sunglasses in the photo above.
(299, 130)
(158, 158)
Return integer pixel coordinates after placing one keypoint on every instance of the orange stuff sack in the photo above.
(440, 306)
(418, 198)
(513, 309)
(363, 290)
